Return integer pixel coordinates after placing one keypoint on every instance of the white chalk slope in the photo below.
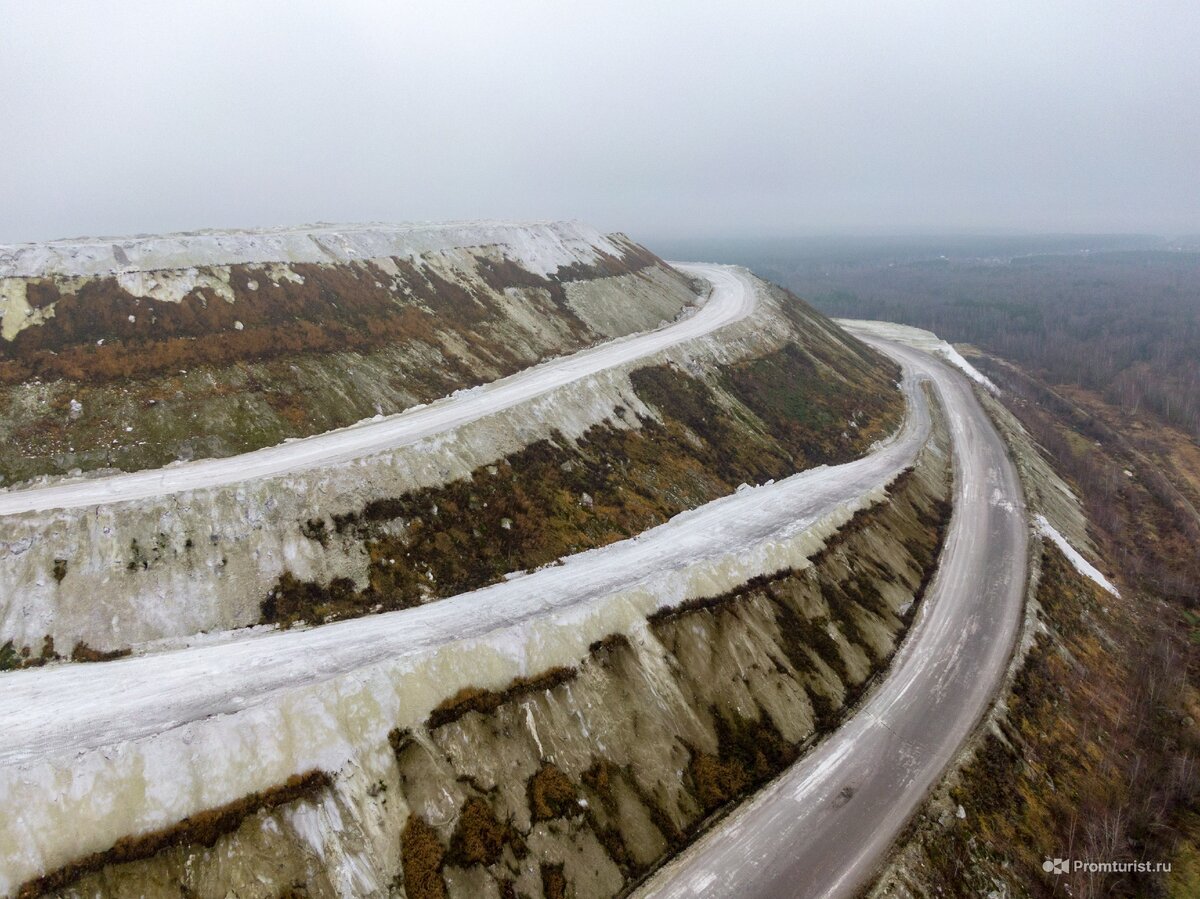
(541, 247)
(733, 298)
(80, 707)
(158, 737)
(92, 753)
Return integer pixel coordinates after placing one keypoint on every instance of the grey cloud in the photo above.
(681, 119)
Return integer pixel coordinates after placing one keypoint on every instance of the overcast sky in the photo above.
(662, 119)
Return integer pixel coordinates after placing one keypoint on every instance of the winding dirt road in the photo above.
(819, 830)
(822, 828)
(732, 298)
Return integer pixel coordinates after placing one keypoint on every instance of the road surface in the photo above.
(733, 298)
(823, 827)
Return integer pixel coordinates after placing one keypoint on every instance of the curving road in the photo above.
(72, 708)
(733, 298)
(823, 827)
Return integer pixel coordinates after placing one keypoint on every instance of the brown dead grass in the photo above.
(84, 653)
(201, 829)
(552, 794)
(554, 882)
(716, 782)
(422, 857)
(338, 307)
(479, 837)
(474, 699)
(530, 509)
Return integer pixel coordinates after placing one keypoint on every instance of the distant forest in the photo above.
(1118, 315)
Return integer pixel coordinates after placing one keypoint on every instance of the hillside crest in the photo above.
(542, 247)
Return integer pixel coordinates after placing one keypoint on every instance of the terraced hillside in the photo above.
(573, 780)
(589, 462)
(589, 637)
(133, 353)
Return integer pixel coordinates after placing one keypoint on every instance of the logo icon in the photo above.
(1056, 865)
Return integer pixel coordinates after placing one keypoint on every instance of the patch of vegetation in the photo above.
(1089, 761)
(479, 837)
(12, 658)
(474, 699)
(84, 653)
(552, 794)
(1093, 457)
(608, 644)
(292, 600)
(749, 753)
(555, 498)
(201, 829)
(1192, 623)
(422, 857)
(554, 882)
(804, 398)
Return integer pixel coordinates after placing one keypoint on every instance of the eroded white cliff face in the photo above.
(340, 722)
(98, 753)
(116, 362)
(166, 268)
(204, 559)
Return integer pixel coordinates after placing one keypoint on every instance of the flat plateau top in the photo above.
(543, 245)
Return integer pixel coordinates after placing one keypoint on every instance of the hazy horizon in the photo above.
(683, 121)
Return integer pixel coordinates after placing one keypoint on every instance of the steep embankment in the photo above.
(822, 827)
(573, 779)
(447, 747)
(771, 393)
(132, 353)
(1089, 755)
